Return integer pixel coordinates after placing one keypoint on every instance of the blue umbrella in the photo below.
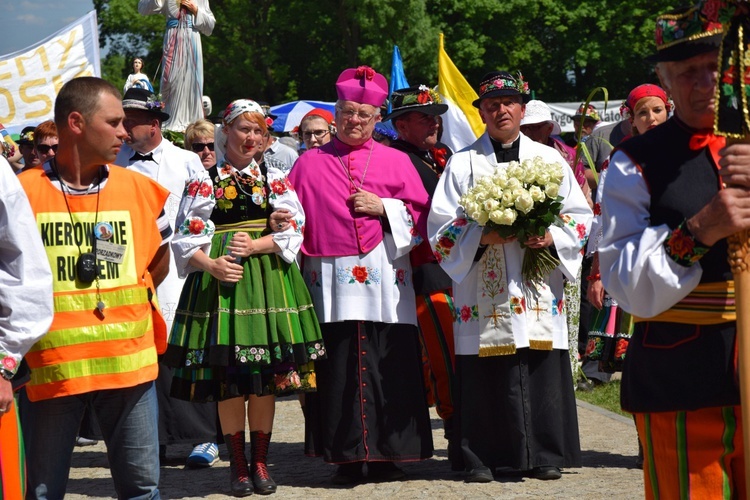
(290, 114)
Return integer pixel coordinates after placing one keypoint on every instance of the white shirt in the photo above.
(173, 168)
(26, 307)
(636, 270)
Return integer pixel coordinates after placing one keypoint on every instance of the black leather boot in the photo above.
(239, 476)
(262, 481)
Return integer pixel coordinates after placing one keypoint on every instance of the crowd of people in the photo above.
(176, 292)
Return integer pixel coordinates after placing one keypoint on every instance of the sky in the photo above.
(26, 22)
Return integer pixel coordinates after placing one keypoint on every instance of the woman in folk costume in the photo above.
(182, 59)
(245, 328)
(516, 404)
(646, 107)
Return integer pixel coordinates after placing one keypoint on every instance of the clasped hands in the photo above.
(227, 267)
(492, 238)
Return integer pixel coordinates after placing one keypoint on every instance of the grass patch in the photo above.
(606, 396)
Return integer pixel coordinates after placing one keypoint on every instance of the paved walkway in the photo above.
(608, 442)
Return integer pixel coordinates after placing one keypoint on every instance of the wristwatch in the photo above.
(6, 374)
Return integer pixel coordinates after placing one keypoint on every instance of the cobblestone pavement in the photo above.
(608, 442)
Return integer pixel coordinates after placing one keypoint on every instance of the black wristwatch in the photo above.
(6, 374)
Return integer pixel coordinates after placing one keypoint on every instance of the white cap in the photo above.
(538, 112)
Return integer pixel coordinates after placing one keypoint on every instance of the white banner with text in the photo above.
(31, 78)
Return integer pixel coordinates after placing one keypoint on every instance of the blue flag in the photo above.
(398, 78)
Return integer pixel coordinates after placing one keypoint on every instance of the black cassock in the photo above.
(370, 404)
(517, 411)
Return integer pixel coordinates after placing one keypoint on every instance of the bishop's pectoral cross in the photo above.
(496, 315)
(538, 310)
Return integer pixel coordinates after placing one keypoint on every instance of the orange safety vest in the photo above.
(84, 351)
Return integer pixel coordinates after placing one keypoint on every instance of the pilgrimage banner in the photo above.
(562, 112)
(31, 78)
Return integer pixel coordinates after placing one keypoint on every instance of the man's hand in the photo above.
(735, 165)
(492, 238)
(6, 395)
(540, 241)
(595, 294)
(727, 213)
(366, 202)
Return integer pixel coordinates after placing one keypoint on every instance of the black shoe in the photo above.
(586, 385)
(383, 472)
(546, 472)
(479, 475)
(348, 474)
(262, 481)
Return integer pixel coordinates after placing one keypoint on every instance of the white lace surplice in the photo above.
(456, 241)
(376, 286)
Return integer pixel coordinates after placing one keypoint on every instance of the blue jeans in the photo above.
(129, 423)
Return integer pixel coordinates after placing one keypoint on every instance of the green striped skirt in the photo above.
(259, 336)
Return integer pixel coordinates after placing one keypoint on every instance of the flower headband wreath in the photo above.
(501, 83)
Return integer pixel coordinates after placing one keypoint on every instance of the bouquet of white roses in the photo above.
(520, 200)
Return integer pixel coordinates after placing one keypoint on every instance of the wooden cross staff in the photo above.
(732, 122)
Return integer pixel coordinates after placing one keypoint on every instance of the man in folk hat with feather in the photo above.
(672, 196)
(415, 113)
(515, 401)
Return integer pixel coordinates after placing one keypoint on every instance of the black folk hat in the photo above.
(144, 100)
(420, 98)
(502, 83)
(689, 31)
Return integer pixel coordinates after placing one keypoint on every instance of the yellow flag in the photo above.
(461, 123)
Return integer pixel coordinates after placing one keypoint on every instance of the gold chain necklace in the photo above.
(364, 173)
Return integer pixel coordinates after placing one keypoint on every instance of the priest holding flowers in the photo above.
(510, 325)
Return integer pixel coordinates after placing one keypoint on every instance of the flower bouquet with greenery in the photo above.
(521, 200)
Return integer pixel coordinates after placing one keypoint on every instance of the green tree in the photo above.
(280, 51)
(564, 48)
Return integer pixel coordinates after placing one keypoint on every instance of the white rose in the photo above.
(500, 179)
(529, 172)
(513, 183)
(536, 193)
(485, 182)
(515, 171)
(524, 203)
(510, 215)
(518, 192)
(552, 190)
(542, 178)
(491, 205)
(481, 218)
(507, 199)
(496, 216)
(504, 217)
